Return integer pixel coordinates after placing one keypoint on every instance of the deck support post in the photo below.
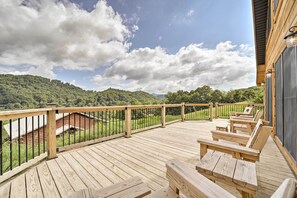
(210, 111)
(51, 132)
(128, 122)
(163, 116)
(217, 110)
(182, 112)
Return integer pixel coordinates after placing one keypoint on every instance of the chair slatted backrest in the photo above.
(259, 136)
(258, 115)
(248, 110)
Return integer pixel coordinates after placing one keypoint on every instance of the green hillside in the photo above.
(26, 91)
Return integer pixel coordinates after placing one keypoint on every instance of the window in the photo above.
(279, 99)
(269, 100)
(286, 99)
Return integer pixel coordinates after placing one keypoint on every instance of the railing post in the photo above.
(182, 112)
(217, 110)
(163, 115)
(210, 111)
(51, 132)
(128, 122)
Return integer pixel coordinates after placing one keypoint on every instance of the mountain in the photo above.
(26, 91)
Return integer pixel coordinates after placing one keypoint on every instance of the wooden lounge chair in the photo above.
(248, 111)
(185, 179)
(287, 189)
(246, 125)
(253, 144)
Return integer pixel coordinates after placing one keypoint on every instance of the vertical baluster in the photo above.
(95, 121)
(26, 136)
(79, 127)
(123, 121)
(74, 124)
(135, 121)
(85, 126)
(19, 140)
(38, 142)
(43, 132)
(10, 143)
(108, 117)
(89, 126)
(102, 123)
(118, 121)
(63, 132)
(106, 127)
(109, 126)
(1, 144)
(32, 137)
(69, 123)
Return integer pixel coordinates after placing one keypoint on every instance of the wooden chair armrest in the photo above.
(239, 152)
(187, 180)
(240, 113)
(241, 117)
(286, 189)
(242, 121)
(232, 137)
(265, 122)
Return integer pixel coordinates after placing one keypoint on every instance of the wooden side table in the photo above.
(221, 167)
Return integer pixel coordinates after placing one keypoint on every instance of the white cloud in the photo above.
(190, 13)
(44, 34)
(154, 70)
(160, 38)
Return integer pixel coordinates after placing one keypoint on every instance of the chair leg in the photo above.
(203, 150)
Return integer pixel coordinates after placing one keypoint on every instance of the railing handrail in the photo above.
(6, 115)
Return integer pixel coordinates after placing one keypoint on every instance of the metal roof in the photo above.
(260, 8)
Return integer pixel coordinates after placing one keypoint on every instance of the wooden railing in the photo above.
(33, 135)
(222, 110)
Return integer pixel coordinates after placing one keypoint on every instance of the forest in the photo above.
(26, 91)
(206, 94)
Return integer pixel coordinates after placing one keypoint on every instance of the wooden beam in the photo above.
(163, 116)
(51, 133)
(210, 111)
(128, 122)
(182, 112)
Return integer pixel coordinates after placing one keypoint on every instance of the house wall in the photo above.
(283, 17)
(76, 120)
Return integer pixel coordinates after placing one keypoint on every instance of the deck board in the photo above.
(143, 155)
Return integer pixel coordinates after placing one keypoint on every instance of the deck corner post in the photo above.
(217, 109)
(51, 132)
(210, 111)
(128, 122)
(163, 115)
(182, 112)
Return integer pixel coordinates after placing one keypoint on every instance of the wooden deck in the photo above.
(143, 155)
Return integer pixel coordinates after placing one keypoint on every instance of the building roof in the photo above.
(33, 126)
(260, 8)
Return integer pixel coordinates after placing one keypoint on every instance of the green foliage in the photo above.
(26, 91)
(206, 94)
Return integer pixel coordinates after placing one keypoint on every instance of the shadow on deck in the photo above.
(143, 155)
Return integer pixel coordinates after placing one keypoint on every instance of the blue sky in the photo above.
(128, 44)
